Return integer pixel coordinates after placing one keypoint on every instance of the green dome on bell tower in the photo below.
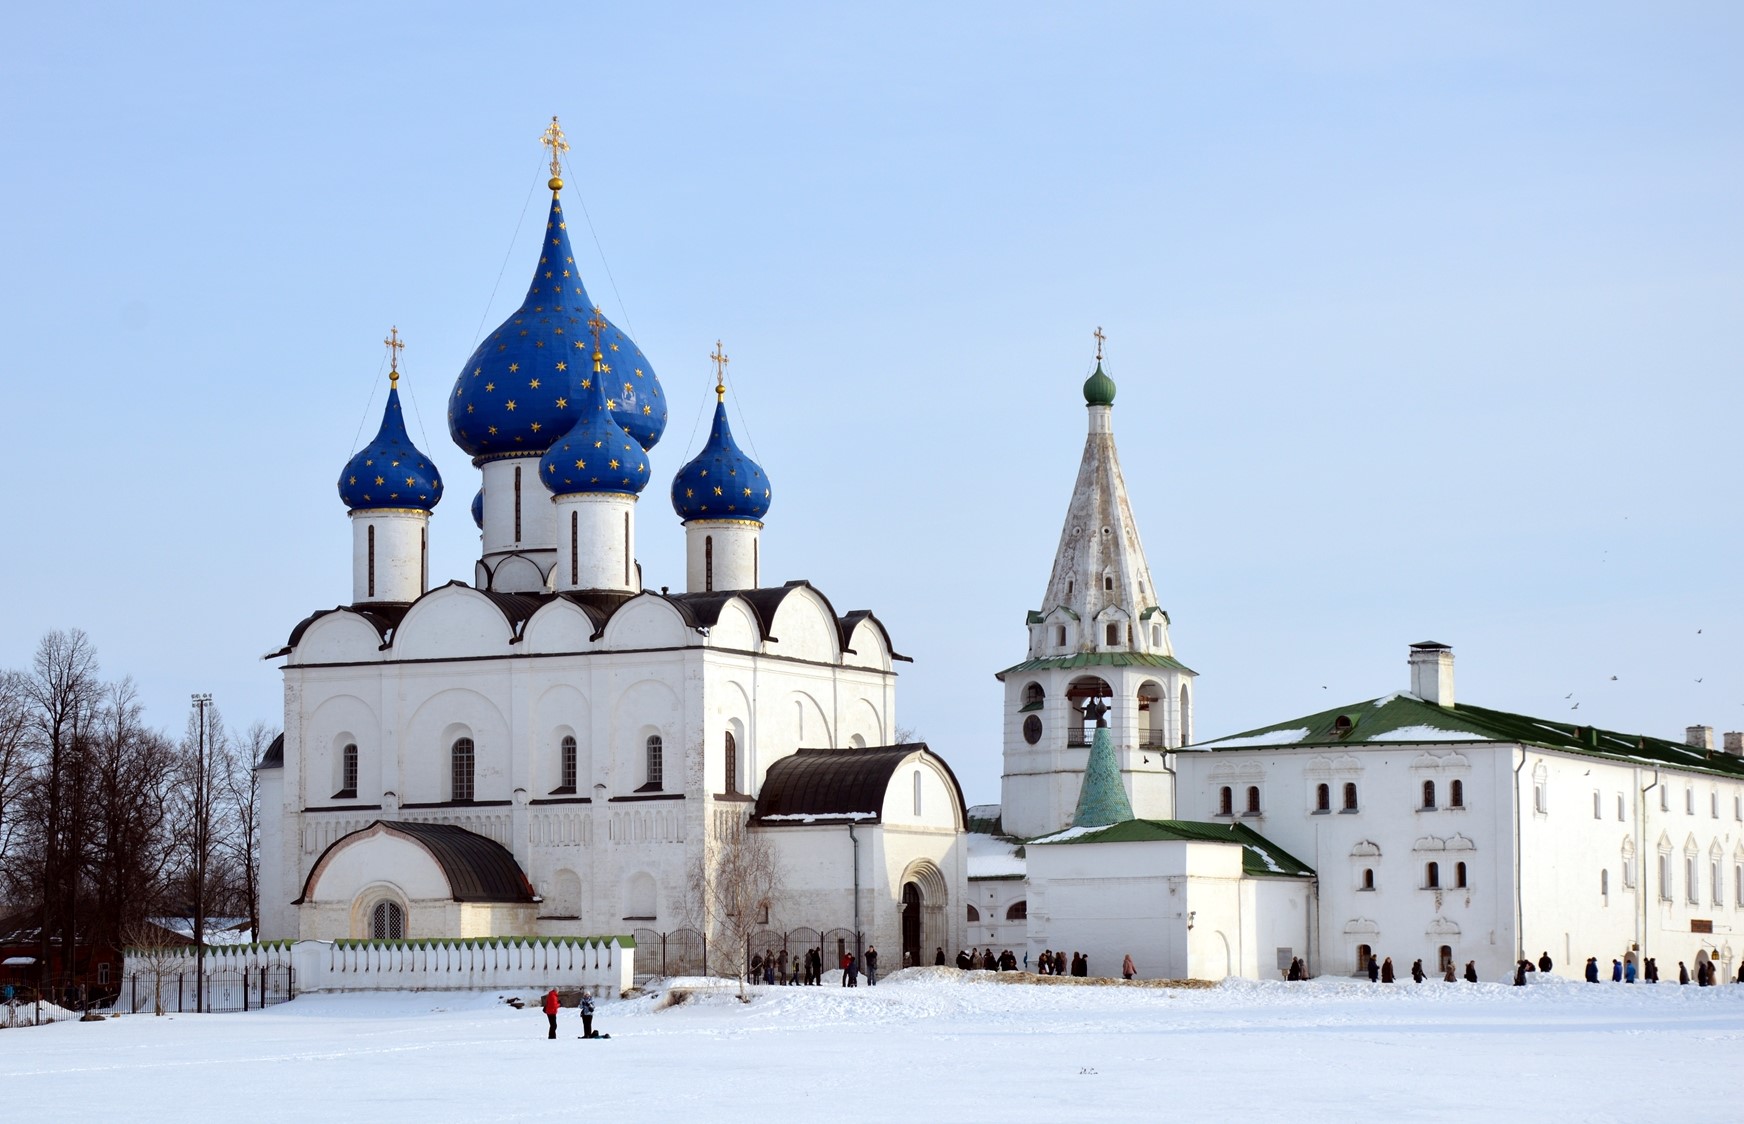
(1098, 389)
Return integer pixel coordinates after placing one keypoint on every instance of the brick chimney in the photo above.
(1734, 743)
(1432, 672)
(1699, 737)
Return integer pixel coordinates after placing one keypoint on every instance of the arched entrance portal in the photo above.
(923, 903)
(912, 952)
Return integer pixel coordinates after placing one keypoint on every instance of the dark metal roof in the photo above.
(840, 783)
(698, 610)
(477, 869)
(274, 757)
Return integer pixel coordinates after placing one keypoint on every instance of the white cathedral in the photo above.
(557, 749)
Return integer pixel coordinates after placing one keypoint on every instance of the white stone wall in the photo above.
(721, 554)
(388, 556)
(452, 671)
(596, 542)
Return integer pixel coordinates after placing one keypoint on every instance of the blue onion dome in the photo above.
(390, 471)
(478, 509)
(597, 455)
(721, 482)
(517, 393)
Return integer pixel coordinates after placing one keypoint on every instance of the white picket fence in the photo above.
(603, 966)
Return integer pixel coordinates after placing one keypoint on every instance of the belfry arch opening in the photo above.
(1090, 697)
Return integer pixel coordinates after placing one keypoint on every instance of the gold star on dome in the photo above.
(647, 410)
(611, 403)
(597, 444)
(535, 427)
(515, 367)
(510, 404)
(688, 493)
(717, 491)
(410, 480)
(379, 480)
(587, 384)
(489, 386)
(353, 480)
(579, 463)
(469, 407)
(493, 431)
(562, 366)
(477, 371)
(579, 345)
(550, 468)
(534, 384)
(614, 347)
(563, 403)
(629, 390)
(747, 491)
(613, 463)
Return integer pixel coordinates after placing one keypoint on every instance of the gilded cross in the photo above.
(395, 345)
(721, 361)
(597, 324)
(553, 139)
(1099, 338)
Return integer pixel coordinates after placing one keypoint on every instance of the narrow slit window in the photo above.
(517, 503)
(372, 559)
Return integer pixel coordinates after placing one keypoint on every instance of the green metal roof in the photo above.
(1407, 719)
(1097, 659)
(1260, 857)
(1101, 797)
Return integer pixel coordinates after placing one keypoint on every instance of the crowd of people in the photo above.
(1622, 971)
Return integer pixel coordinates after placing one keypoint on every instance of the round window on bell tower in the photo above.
(1032, 729)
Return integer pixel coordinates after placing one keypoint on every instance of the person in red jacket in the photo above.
(550, 1007)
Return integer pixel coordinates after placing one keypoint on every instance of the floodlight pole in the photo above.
(202, 828)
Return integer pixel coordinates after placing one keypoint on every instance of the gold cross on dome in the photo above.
(597, 324)
(1099, 338)
(721, 361)
(395, 345)
(553, 139)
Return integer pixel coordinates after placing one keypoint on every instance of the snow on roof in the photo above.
(993, 857)
(1267, 737)
(1426, 734)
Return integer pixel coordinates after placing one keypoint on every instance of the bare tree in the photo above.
(202, 821)
(14, 774)
(734, 884)
(241, 845)
(133, 781)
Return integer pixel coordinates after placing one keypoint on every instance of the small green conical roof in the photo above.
(1099, 388)
(1102, 799)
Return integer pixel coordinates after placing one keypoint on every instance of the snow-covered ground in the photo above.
(927, 1044)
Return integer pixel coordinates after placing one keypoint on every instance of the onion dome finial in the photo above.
(515, 395)
(390, 471)
(1099, 388)
(721, 482)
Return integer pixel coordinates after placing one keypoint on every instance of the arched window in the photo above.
(1456, 794)
(387, 922)
(1253, 800)
(1113, 633)
(1350, 796)
(1060, 635)
(1445, 959)
(1432, 876)
(1108, 583)
(1033, 696)
(1186, 731)
(656, 762)
(566, 769)
(1019, 911)
(1226, 801)
(347, 773)
(1368, 878)
(974, 915)
(1459, 875)
(732, 764)
(1428, 796)
(460, 760)
(1323, 798)
(1604, 883)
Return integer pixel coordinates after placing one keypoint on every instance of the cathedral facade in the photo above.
(558, 748)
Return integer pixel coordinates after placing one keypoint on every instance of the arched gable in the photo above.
(425, 861)
(736, 627)
(804, 627)
(337, 721)
(455, 621)
(868, 645)
(339, 637)
(559, 626)
(648, 621)
(429, 736)
(923, 792)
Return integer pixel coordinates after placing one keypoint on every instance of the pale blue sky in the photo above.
(1425, 320)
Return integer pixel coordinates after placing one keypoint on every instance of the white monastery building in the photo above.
(563, 749)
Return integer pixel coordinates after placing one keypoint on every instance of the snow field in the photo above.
(929, 1043)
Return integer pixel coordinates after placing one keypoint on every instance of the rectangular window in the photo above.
(1714, 805)
(1692, 887)
(1719, 885)
(1738, 808)
(1664, 799)
(917, 792)
(1597, 813)
(1664, 878)
(1538, 801)
(1620, 815)
(1689, 801)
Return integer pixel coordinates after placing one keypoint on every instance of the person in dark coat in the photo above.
(1295, 972)
(1544, 964)
(1628, 971)
(1449, 976)
(1387, 970)
(1374, 969)
(962, 960)
(1471, 971)
(1650, 970)
(550, 1008)
(586, 1015)
(872, 966)
(1520, 971)
(1616, 971)
(1592, 969)
(939, 957)
(1416, 971)
(1682, 975)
